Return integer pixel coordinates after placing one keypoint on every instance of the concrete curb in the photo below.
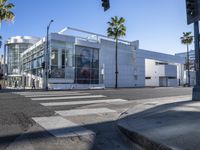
(133, 145)
(135, 138)
(140, 140)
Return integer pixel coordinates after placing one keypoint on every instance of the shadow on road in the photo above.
(107, 137)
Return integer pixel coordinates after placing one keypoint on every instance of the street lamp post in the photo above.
(4, 66)
(47, 57)
(196, 89)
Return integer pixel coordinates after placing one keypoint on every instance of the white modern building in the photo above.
(82, 63)
(161, 69)
(12, 51)
(76, 62)
(191, 57)
(191, 67)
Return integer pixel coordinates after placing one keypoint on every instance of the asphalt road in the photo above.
(144, 93)
(17, 124)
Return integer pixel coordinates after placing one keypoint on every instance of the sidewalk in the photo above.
(172, 124)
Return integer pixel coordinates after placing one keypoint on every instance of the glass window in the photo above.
(57, 72)
(54, 57)
(86, 65)
(63, 58)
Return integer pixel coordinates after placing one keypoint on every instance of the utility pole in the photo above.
(193, 16)
(5, 73)
(47, 58)
(196, 89)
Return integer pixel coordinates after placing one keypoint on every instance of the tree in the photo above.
(187, 39)
(5, 13)
(116, 30)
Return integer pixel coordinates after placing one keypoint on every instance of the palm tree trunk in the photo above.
(188, 66)
(116, 66)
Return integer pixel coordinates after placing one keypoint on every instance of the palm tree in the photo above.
(115, 30)
(187, 39)
(5, 13)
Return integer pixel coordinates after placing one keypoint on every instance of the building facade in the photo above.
(80, 63)
(191, 58)
(191, 67)
(13, 49)
(76, 62)
(160, 69)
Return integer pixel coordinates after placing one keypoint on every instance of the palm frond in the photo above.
(5, 13)
(2, 2)
(10, 16)
(187, 38)
(116, 27)
(9, 6)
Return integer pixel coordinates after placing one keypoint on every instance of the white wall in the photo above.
(146, 59)
(192, 77)
(131, 61)
(127, 76)
(159, 73)
(151, 70)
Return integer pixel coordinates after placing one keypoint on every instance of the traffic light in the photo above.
(43, 65)
(105, 4)
(192, 8)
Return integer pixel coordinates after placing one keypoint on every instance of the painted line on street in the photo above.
(57, 94)
(67, 97)
(60, 127)
(83, 102)
(78, 112)
(42, 93)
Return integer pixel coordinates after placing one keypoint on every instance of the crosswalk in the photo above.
(82, 102)
(62, 124)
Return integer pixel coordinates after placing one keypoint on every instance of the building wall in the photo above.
(127, 77)
(191, 68)
(126, 64)
(160, 73)
(15, 46)
(146, 63)
(131, 63)
(191, 59)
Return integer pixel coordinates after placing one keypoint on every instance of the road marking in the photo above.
(57, 94)
(67, 97)
(83, 102)
(60, 127)
(77, 112)
(42, 93)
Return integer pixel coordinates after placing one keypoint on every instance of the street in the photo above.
(74, 120)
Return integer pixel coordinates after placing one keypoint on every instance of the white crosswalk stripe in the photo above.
(67, 97)
(57, 94)
(46, 93)
(83, 102)
(76, 112)
(68, 123)
(61, 127)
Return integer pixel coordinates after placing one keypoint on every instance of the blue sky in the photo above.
(157, 24)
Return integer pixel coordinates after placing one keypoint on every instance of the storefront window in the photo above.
(63, 58)
(86, 65)
(57, 72)
(54, 57)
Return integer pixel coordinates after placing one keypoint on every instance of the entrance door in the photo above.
(163, 82)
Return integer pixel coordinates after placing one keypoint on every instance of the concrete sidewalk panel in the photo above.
(164, 126)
